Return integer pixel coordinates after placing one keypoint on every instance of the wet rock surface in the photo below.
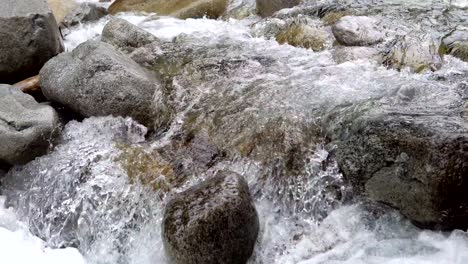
(300, 125)
(26, 127)
(178, 8)
(97, 80)
(269, 7)
(417, 53)
(213, 222)
(85, 12)
(125, 36)
(29, 37)
(411, 157)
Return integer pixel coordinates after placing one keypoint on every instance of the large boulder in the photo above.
(29, 37)
(357, 31)
(26, 127)
(177, 8)
(98, 80)
(408, 151)
(269, 7)
(213, 222)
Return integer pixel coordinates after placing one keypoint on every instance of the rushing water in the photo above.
(80, 195)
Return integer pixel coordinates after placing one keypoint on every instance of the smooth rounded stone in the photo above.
(29, 37)
(176, 8)
(213, 222)
(26, 127)
(417, 53)
(267, 8)
(344, 54)
(97, 80)
(85, 12)
(408, 151)
(357, 31)
(125, 36)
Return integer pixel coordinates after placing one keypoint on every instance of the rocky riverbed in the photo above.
(238, 131)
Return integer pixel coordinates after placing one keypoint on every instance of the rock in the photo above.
(29, 37)
(61, 8)
(408, 151)
(213, 222)
(125, 36)
(85, 12)
(269, 7)
(176, 8)
(26, 127)
(240, 9)
(417, 53)
(357, 31)
(97, 80)
(305, 36)
(456, 44)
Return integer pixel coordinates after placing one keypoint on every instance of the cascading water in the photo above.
(87, 193)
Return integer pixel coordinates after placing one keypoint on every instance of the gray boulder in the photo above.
(357, 31)
(408, 151)
(97, 80)
(269, 7)
(213, 222)
(125, 36)
(26, 127)
(29, 37)
(85, 12)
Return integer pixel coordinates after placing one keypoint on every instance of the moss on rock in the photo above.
(147, 168)
(304, 36)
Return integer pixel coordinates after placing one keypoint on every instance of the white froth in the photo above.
(19, 246)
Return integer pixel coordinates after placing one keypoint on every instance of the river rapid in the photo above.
(317, 229)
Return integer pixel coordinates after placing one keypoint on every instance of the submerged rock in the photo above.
(357, 31)
(269, 7)
(26, 127)
(344, 54)
(29, 37)
(85, 12)
(418, 53)
(97, 80)
(213, 222)
(177, 8)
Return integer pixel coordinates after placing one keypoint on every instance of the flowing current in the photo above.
(99, 215)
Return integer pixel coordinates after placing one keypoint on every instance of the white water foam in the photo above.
(19, 246)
